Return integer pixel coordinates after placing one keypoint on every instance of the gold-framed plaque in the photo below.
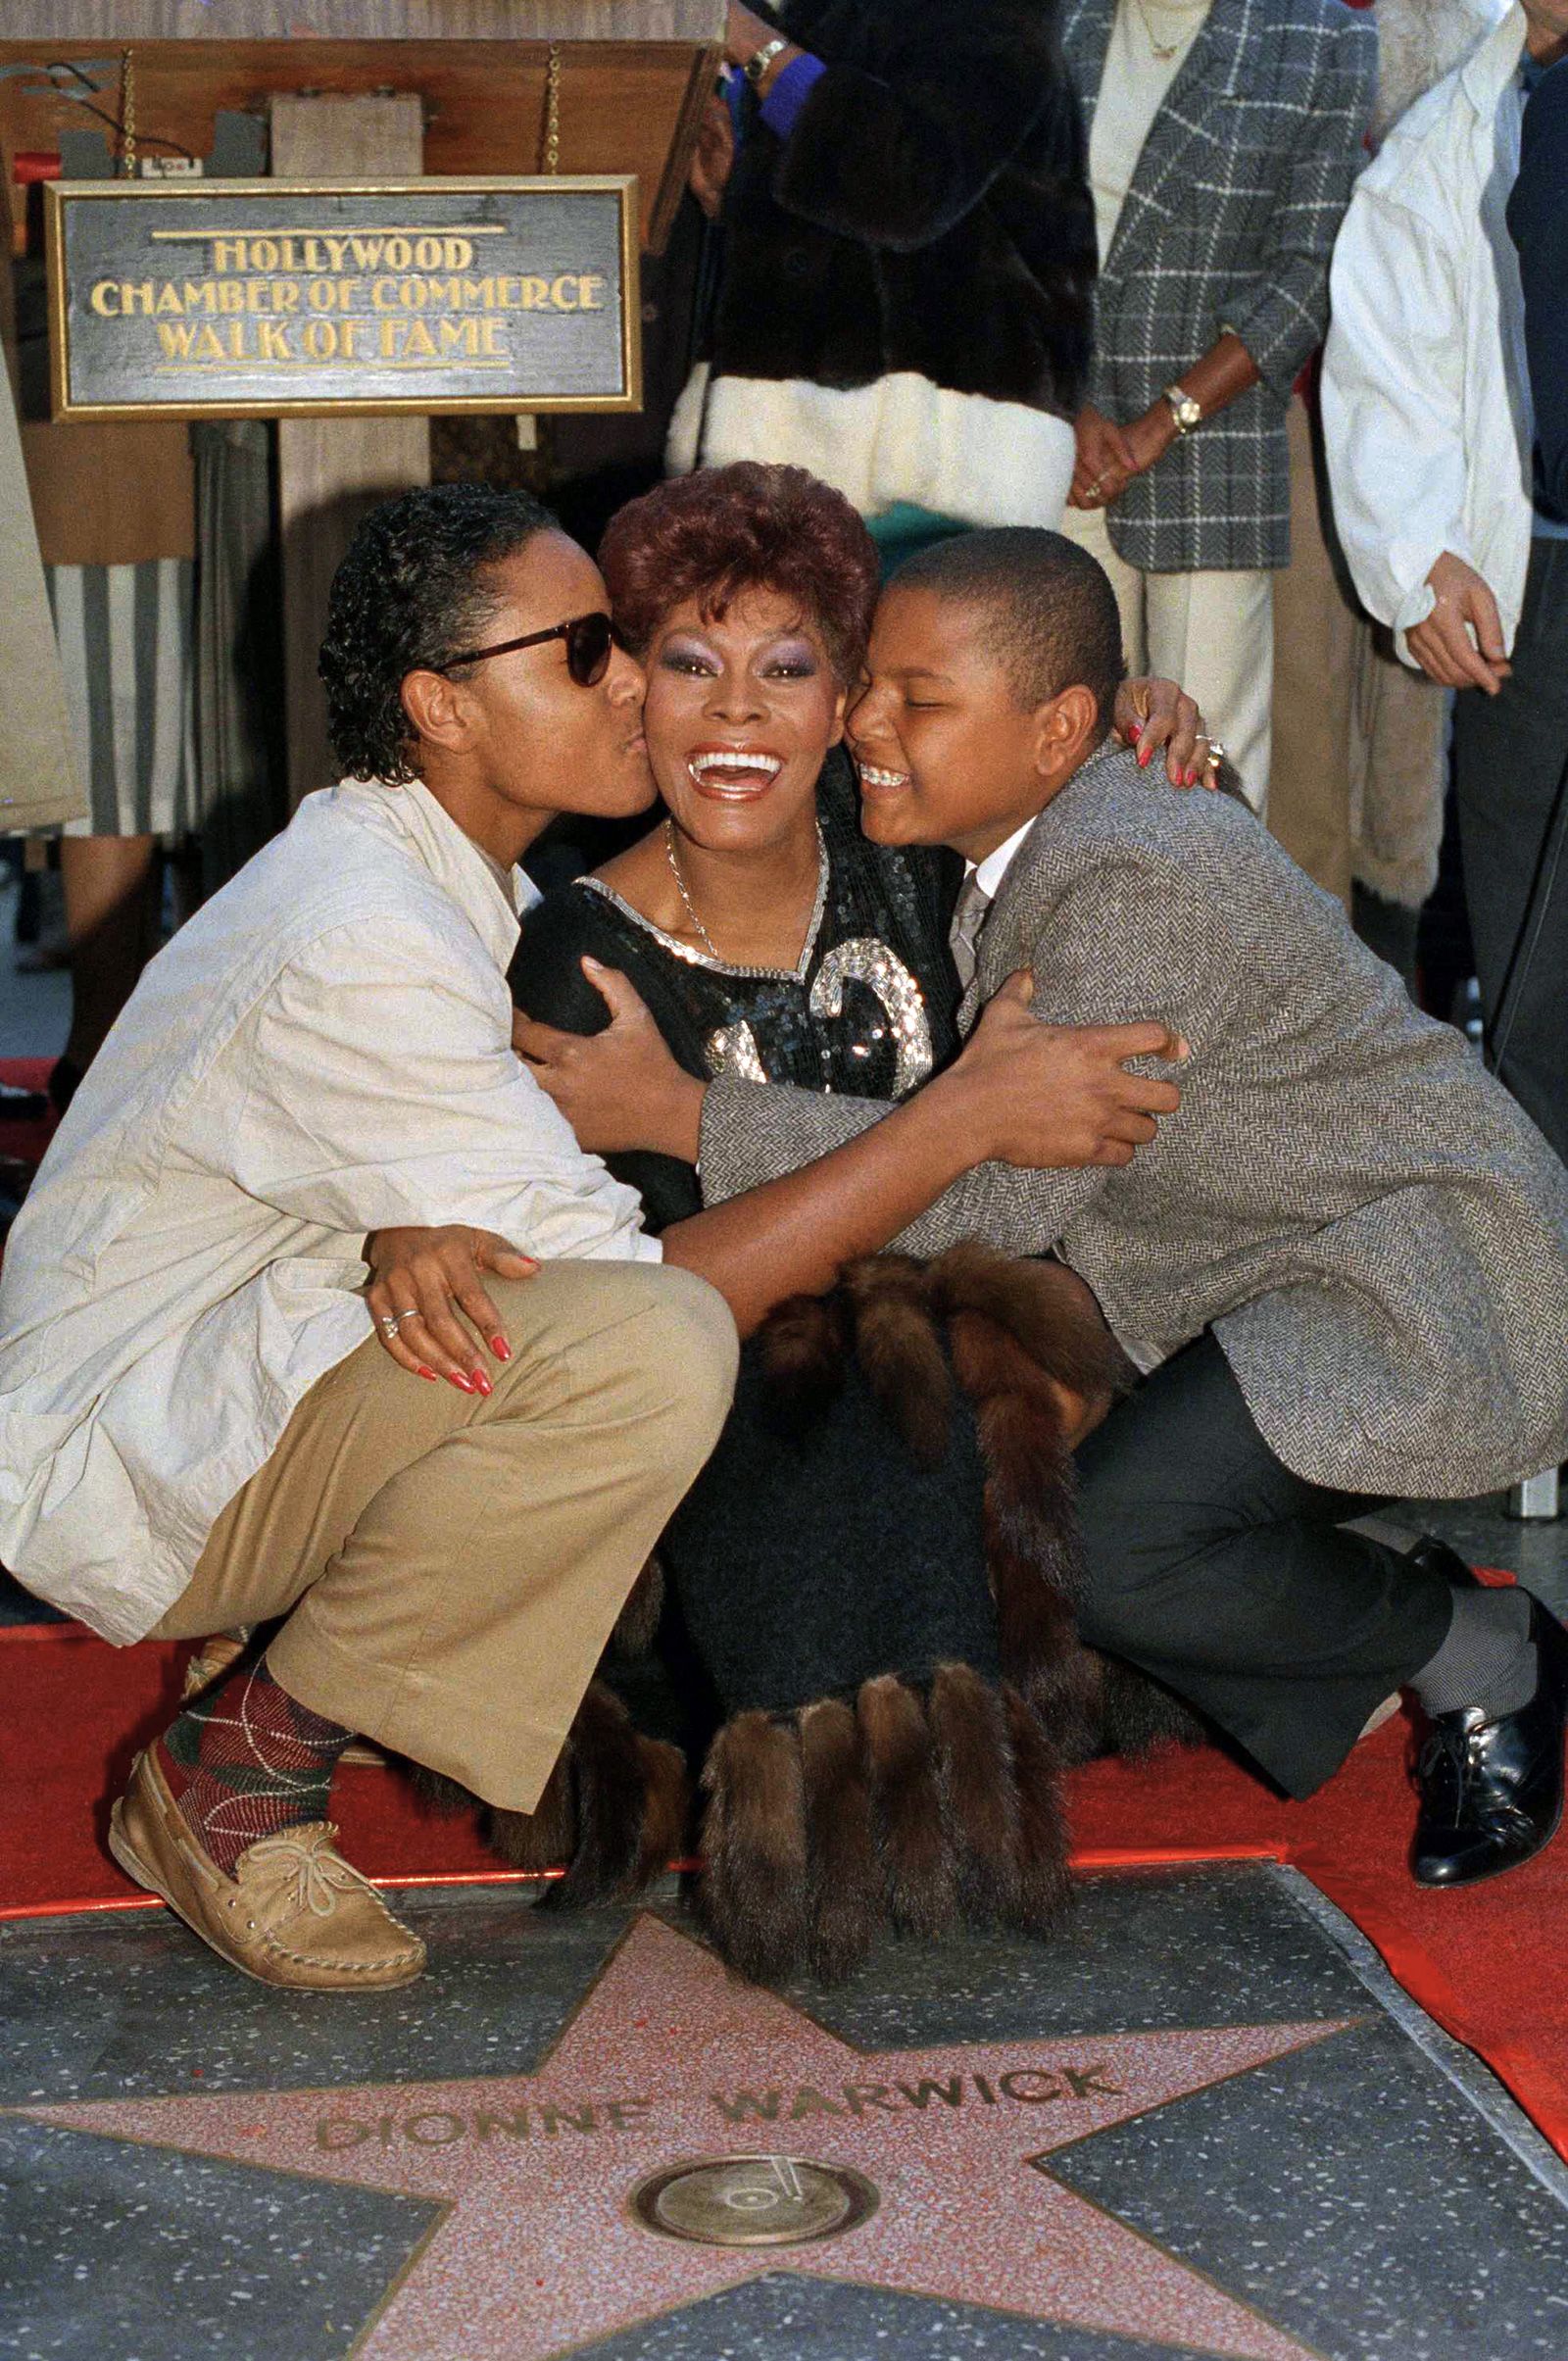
(263, 299)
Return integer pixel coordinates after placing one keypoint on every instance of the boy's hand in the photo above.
(421, 1279)
(1061, 1095)
(621, 1088)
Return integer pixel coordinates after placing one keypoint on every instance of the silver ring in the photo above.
(390, 1322)
(1216, 753)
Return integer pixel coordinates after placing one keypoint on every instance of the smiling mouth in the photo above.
(882, 781)
(733, 773)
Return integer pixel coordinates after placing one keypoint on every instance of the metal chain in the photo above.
(550, 141)
(128, 114)
(701, 931)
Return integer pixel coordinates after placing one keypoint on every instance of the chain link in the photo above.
(128, 114)
(550, 136)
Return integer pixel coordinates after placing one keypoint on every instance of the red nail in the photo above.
(1144, 753)
(501, 1348)
(429, 1373)
(1192, 778)
(1135, 730)
(481, 1382)
(463, 1384)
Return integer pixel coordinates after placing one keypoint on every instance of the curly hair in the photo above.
(725, 530)
(410, 592)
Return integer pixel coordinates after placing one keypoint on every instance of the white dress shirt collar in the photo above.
(988, 873)
(492, 898)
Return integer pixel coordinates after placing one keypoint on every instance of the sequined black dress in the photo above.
(870, 1008)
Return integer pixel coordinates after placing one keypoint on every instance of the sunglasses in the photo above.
(589, 639)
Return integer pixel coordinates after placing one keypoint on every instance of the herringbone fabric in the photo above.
(1376, 1233)
(1228, 223)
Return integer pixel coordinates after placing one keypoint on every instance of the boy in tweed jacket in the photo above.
(1341, 1263)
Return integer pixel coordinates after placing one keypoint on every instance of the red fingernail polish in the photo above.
(481, 1383)
(1144, 753)
(429, 1373)
(1192, 778)
(1135, 730)
(501, 1348)
(461, 1383)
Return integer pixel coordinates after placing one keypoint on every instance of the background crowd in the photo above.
(1260, 301)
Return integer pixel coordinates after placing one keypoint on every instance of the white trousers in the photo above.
(1212, 631)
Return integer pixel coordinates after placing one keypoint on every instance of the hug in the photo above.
(1203, 1242)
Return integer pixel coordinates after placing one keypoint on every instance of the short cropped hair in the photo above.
(413, 591)
(1050, 613)
(725, 530)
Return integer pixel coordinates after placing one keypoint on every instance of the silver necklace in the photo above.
(701, 931)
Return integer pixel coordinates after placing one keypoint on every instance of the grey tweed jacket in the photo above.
(1228, 222)
(1374, 1230)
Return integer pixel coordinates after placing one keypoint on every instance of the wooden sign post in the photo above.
(473, 89)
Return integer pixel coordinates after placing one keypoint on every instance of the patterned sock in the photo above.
(247, 1760)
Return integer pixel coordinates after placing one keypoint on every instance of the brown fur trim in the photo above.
(917, 1873)
(542, 1839)
(1138, 1714)
(438, 1792)
(637, 1624)
(608, 1801)
(1030, 1530)
(752, 1894)
(974, 1755)
(666, 1808)
(803, 1345)
(846, 1880)
(900, 1352)
(1045, 1307)
(1045, 1889)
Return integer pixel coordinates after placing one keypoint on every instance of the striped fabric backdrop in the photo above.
(126, 645)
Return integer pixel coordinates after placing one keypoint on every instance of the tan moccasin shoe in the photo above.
(294, 1912)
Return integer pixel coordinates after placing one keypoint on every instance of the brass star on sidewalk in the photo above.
(670, 2060)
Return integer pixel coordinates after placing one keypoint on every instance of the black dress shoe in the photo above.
(1492, 1791)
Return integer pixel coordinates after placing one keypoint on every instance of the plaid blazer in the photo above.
(1229, 222)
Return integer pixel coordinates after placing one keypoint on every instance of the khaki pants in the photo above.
(1212, 631)
(1356, 791)
(450, 1566)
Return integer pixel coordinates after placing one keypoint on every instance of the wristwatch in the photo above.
(1185, 409)
(757, 63)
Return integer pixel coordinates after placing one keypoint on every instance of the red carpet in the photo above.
(1486, 1964)
(26, 1136)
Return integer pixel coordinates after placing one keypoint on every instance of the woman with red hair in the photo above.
(766, 936)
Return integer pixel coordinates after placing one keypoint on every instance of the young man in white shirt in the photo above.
(197, 1427)
(1427, 425)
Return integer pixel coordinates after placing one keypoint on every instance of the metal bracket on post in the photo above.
(1537, 1499)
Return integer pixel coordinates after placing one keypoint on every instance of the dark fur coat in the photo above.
(930, 211)
(875, 1580)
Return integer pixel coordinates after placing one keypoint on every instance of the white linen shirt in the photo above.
(324, 1048)
(1426, 408)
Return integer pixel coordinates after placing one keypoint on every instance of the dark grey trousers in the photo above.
(1224, 1575)
(1508, 758)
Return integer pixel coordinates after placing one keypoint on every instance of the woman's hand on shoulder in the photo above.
(619, 1089)
(1154, 714)
(421, 1279)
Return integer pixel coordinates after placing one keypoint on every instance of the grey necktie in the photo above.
(964, 936)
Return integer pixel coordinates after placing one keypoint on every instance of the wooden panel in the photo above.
(41, 779)
(120, 21)
(332, 471)
(624, 107)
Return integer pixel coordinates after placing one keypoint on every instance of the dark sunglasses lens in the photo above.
(588, 644)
